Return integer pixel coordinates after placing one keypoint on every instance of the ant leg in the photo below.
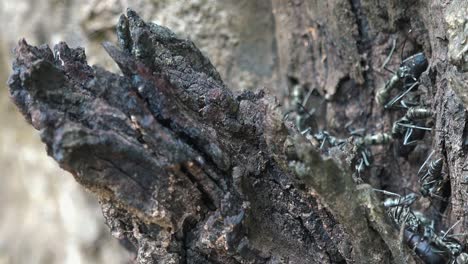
(411, 192)
(323, 143)
(426, 161)
(438, 197)
(390, 71)
(307, 130)
(306, 98)
(403, 225)
(403, 46)
(357, 132)
(457, 235)
(386, 192)
(415, 127)
(424, 177)
(359, 168)
(348, 124)
(308, 112)
(364, 158)
(403, 103)
(286, 115)
(407, 105)
(395, 99)
(408, 134)
(427, 183)
(438, 251)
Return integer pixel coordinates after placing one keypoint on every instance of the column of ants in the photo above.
(431, 245)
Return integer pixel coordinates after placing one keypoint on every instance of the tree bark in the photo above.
(189, 171)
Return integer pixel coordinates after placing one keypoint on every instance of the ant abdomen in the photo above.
(415, 113)
(375, 139)
(435, 168)
(423, 248)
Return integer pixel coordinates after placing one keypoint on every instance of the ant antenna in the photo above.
(384, 65)
(450, 229)
(286, 115)
(404, 44)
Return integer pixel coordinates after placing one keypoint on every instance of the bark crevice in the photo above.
(189, 171)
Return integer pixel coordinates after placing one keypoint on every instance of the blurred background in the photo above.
(45, 216)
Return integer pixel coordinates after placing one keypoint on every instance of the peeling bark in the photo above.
(188, 171)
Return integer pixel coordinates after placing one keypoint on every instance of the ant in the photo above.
(363, 142)
(429, 246)
(323, 137)
(405, 126)
(406, 76)
(432, 180)
(304, 118)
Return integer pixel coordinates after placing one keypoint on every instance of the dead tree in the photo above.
(189, 172)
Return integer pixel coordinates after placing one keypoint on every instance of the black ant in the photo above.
(405, 126)
(324, 137)
(432, 180)
(363, 142)
(406, 76)
(429, 246)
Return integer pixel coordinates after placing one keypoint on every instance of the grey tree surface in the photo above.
(189, 171)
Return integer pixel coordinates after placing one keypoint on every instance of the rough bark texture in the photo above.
(188, 171)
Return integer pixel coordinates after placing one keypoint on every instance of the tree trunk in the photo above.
(189, 171)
